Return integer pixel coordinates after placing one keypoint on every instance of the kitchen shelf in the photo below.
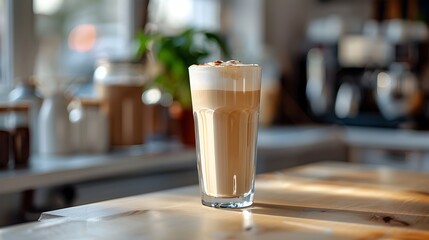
(149, 158)
(158, 157)
(56, 170)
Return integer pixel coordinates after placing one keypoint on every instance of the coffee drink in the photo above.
(226, 124)
(225, 100)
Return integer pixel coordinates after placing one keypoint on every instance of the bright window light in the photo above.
(46, 7)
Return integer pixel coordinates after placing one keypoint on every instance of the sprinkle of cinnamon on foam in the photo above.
(227, 63)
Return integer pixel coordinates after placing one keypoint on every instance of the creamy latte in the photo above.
(225, 100)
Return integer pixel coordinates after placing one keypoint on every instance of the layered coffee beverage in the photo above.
(225, 101)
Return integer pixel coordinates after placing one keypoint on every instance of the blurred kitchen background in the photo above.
(94, 95)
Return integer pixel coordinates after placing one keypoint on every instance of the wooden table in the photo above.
(318, 201)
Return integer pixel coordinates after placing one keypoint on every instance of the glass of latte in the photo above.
(225, 102)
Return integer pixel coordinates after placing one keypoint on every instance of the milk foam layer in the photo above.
(229, 76)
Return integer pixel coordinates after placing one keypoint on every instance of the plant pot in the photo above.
(187, 129)
(184, 119)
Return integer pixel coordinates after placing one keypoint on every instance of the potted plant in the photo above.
(173, 54)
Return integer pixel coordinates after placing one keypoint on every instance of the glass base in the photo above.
(223, 202)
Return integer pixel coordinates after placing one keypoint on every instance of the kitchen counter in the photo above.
(317, 201)
(55, 170)
(391, 139)
(163, 156)
(155, 157)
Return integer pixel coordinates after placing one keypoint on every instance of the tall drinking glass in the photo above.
(225, 102)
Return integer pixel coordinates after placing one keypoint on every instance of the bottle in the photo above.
(26, 91)
(20, 132)
(4, 137)
(54, 125)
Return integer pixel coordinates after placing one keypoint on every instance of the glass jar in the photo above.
(157, 118)
(119, 86)
(90, 126)
(4, 137)
(20, 132)
(97, 127)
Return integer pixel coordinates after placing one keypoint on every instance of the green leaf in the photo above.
(175, 54)
(143, 42)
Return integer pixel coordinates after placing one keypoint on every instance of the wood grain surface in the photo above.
(318, 201)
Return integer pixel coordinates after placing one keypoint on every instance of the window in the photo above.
(4, 82)
(171, 15)
(61, 40)
(73, 34)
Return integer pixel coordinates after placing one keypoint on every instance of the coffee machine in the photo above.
(376, 77)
